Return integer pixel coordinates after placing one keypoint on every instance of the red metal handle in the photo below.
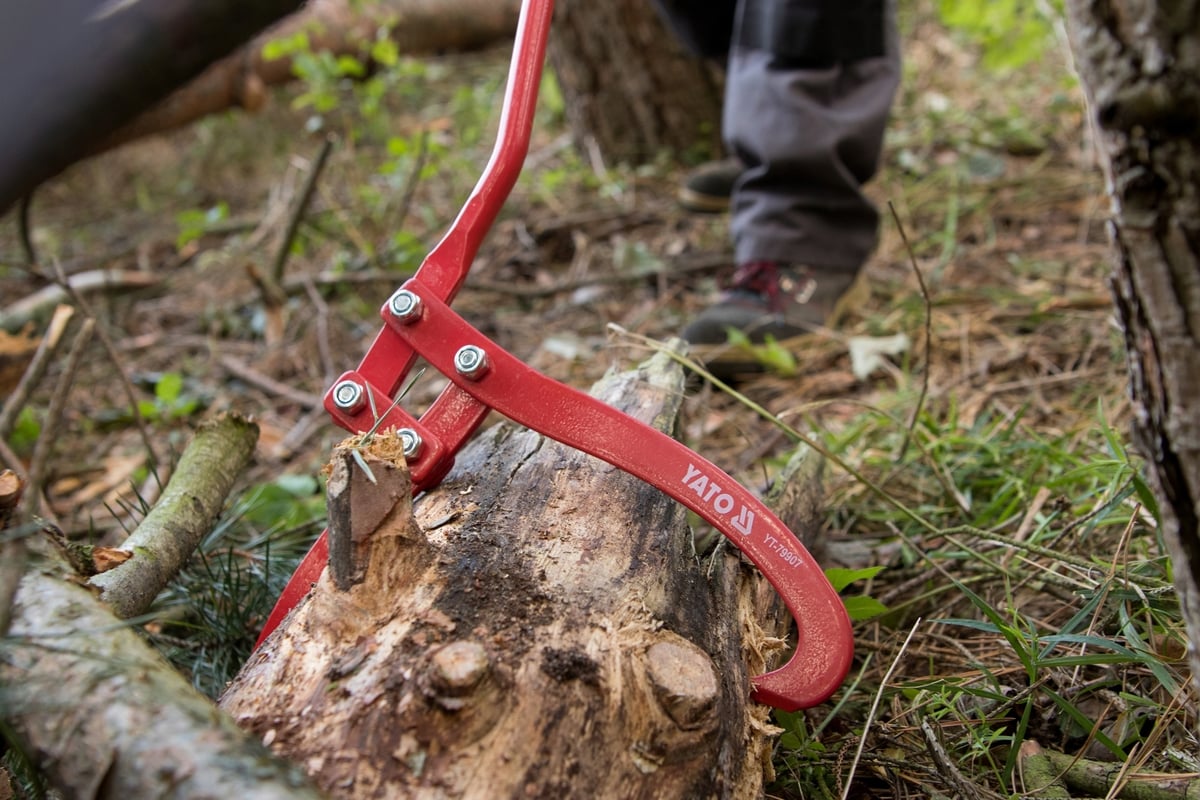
(501, 381)
(419, 320)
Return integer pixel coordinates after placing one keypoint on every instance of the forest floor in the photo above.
(996, 431)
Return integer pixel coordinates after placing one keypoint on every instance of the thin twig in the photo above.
(269, 384)
(23, 232)
(58, 402)
(328, 370)
(862, 739)
(920, 406)
(35, 371)
(302, 203)
(10, 458)
(414, 178)
(114, 357)
(12, 550)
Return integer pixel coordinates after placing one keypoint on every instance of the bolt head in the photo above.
(471, 362)
(349, 396)
(405, 306)
(411, 443)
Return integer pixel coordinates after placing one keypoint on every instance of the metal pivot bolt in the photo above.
(410, 442)
(471, 362)
(405, 306)
(349, 396)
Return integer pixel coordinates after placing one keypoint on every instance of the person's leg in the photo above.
(809, 89)
(810, 133)
(704, 26)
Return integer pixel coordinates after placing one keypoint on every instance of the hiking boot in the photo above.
(707, 188)
(765, 299)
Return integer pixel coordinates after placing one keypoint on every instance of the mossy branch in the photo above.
(187, 510)
(107, 717)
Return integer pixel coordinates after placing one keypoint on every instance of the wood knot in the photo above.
(455, 671)
(684, 682)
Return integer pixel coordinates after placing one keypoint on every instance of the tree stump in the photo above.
(540, 626)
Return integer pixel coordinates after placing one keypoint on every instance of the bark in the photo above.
(1139, 61)
(540, 628)
(630, 90)
(165, 540)
(73, 71)
(104, 716)
(419, 27)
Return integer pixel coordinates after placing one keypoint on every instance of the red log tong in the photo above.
(418, 321)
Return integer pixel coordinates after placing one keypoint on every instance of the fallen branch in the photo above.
(36, 370)
(1096, 779)
(337, 26)
(39, 462)
(105, 716)
(189, 506)
(1039, 779)
(14, 315)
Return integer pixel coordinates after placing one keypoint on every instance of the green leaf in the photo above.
(862, 607)
(841, 578)
(169, 388)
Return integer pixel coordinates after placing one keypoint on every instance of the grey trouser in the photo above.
(807, 97)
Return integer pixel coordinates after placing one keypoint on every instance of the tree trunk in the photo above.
(542, 628)
(1140, 64)
(630, 89)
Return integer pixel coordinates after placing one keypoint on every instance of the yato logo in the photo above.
(721, 501)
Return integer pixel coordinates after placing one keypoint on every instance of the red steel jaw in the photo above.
(484, 377)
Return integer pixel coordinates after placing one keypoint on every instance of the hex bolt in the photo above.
(411, 442)
(349, 396)
(405, 306)
(471, 362)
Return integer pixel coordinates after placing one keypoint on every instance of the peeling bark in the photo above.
(104, 716)
(1140, 64)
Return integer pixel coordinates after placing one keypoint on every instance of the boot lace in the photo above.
(771, 282)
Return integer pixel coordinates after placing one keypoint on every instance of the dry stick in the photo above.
(185, 513)
(293, 224)
(862, 739)
(27, 308)
(12, 550)
(414, 177)
(10, 458)
(908, 433)
(44, 446)
(945, 764)
(35, 371)
(23, 234)
(269, 384)
(323, 350)
(115, 358)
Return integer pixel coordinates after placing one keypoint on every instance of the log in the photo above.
(342, 27)
(538, 626)
(79, 69)
(105, 716)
